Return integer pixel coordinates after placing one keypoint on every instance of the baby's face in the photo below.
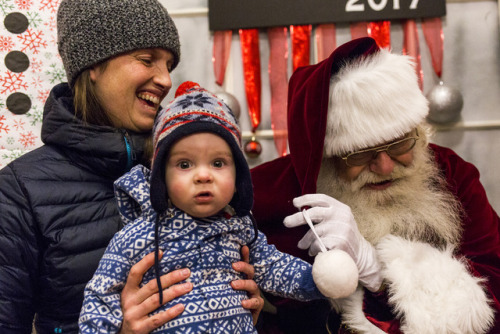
(200, 174)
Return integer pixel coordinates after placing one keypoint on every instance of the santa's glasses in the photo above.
(394, 149)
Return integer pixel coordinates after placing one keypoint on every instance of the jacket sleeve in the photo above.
(132, 193)
(282, 274)
(19, 255)
(481, 227)
(101, 311)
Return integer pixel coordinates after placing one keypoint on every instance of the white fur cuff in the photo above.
(431, 291)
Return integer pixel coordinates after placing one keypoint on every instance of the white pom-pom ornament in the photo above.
(334, 271)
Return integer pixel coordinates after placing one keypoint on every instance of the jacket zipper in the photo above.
(130, 152)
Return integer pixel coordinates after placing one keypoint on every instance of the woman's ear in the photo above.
(94, 72)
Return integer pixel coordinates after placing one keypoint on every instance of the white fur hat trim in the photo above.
(373, 100)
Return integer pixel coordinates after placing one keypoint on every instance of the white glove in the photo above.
(337, 229)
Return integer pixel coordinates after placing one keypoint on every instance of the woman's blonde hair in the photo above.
(87, 105)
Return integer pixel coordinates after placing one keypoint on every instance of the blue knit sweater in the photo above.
(207, 247)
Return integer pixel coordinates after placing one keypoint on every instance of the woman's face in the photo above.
(132, 85)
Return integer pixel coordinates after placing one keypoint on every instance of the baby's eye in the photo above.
(184, 164)
(218, 163)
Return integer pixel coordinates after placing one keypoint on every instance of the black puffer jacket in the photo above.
(57, 215)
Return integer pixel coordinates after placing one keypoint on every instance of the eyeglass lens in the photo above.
(393, 150)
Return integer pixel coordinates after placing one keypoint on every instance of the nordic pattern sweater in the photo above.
(207, 247)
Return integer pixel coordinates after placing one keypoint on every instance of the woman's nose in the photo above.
(162, 78)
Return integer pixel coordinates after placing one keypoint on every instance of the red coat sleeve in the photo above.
(480, 243)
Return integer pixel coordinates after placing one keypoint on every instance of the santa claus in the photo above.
(412, 215)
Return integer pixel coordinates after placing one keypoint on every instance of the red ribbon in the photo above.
(249, 40)
(433, 34)
(380, 31)
(325, 40)
(301, 41)
(278, 80)
(220, 56)
(359, 29)
(411, 47)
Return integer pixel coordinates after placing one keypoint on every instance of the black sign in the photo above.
(237, 14)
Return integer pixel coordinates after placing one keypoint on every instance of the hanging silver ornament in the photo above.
(445, 104)
(231, 101)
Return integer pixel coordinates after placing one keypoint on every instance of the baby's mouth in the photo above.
(203, 196)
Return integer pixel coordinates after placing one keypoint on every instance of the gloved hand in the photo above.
(337, 229)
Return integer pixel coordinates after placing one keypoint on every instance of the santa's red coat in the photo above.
(278, 182)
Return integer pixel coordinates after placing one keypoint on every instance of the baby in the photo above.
(193, 206)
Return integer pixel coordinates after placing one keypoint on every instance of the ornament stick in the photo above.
(311, 226)
(334, 271)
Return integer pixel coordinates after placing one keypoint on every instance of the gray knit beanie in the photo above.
(91, 31)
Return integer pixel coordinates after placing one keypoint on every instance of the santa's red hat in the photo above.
(374, 98)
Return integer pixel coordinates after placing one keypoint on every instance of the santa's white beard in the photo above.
(417, 205)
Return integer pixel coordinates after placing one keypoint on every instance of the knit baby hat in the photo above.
(91, 31)
(192, 111)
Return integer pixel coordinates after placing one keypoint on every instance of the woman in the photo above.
(57, 207)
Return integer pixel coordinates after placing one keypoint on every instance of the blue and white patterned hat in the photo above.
(192, 111)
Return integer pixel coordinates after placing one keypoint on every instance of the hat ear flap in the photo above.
(158, 188)
(242, 201)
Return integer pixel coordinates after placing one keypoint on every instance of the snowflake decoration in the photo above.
(32, 40)
(43, 95)
(13, 82)
(24, 4)
(35, 115)
(6, 6)
(21, 133)
(51, 5)
(51, 23)
(197, 100)
(3, 127)
(27, 139)
(19, 124)
(36, 65)
(14, 154)
(37, 82)
(34, 19)
(57, 74)
(6, 43)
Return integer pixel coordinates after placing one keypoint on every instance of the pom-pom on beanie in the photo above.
(374, 98)
(192, 111)
(91, 31)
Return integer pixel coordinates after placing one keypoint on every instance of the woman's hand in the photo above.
(138, 302)
(254, 303)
